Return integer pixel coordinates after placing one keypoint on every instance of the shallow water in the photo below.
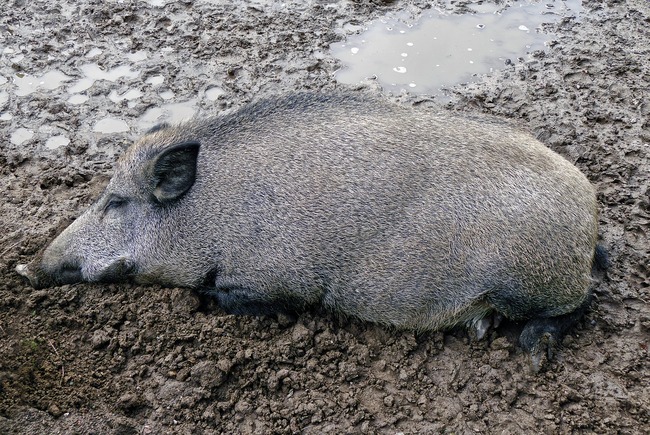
(57, 141)
(21, 135)
(436, 51)
(441, 50)
(123, 85)
(111, 125)
(173, 113)
(93, 72)
(26, 83)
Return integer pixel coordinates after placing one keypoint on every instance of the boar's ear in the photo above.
(173, 171)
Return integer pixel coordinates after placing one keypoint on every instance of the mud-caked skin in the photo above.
(397, 216)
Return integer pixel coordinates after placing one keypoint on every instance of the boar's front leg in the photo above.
(239, 300)
(243, 298)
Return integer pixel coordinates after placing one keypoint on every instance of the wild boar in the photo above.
(403, 217)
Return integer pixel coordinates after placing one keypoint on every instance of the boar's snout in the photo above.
(65, 273)
(24, 271)
(69, 272)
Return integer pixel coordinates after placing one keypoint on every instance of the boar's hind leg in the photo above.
(541, 335)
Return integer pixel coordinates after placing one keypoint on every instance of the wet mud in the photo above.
(80, 80)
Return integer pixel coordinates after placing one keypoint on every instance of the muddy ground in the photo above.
(125, 359)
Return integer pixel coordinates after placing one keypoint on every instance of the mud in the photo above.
(79, 80)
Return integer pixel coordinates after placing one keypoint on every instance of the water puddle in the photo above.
(110, 125)
(166, 95)
(94, 72)
(162, 3)
(26, 84)
(138, 56)
(131, 94)
(78, 99)
(158, 3)
(213, 94)
(94, 52)
(442, 50)
(21, 135)
(56, 141)
(155, 80)
(172, 113)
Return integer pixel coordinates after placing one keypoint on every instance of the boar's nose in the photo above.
(40, 276)
(27, 273)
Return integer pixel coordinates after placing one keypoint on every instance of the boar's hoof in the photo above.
(539, 338)
(482, 326)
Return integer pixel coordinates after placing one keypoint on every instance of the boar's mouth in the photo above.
(68, 273)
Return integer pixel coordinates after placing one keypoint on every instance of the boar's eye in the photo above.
(114, 202)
